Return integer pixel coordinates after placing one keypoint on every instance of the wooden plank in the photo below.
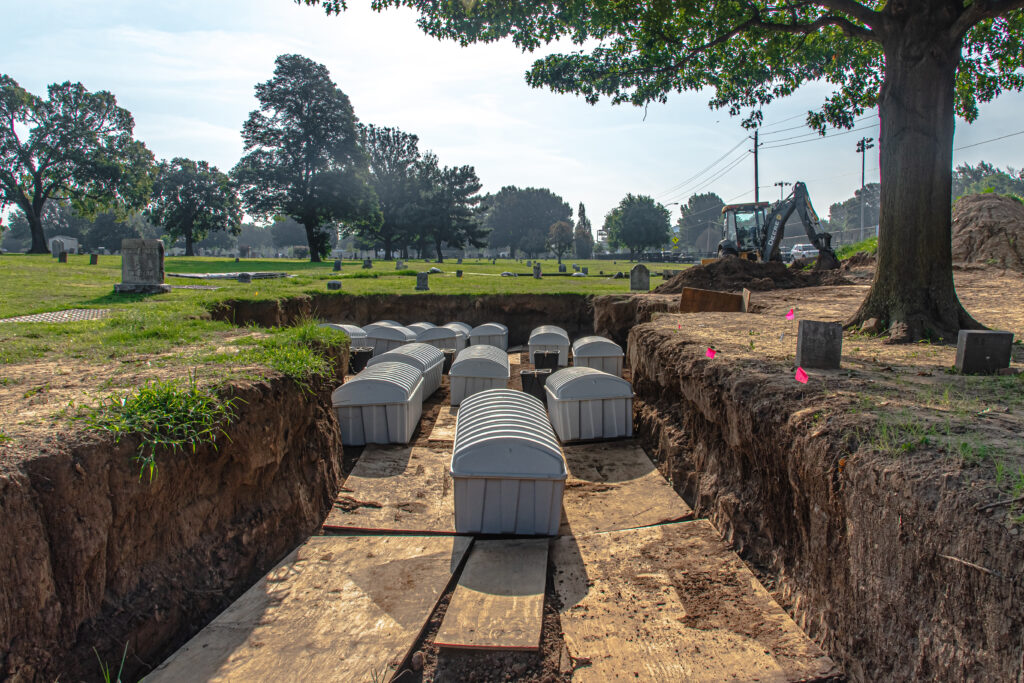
(499, 601)
(674, 603)
(693, 300)
(613, 485)
(396, 488)
(338, 608)
(515, 358)
(444, 425)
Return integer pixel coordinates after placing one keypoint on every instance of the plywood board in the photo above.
(444, 425)
(674, 603)
(515, 358)
(613, 485)
(396, 488)
(499, 601)
(339, 608)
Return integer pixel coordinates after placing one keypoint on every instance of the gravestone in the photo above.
(94, 259)
(585, 270)
(337, 265)
(62, 257)
(640, 279)
(245, 278)
(236, 259)
(142, 267)
(367, 263)
(575, 268)
(399, 265)
(529, 263)
(56, 247)
(983, 351)
(494, 261)
(459, 262)
(334, 284)
(819, 344)
(458, 273)
(536, 271)
(561, 267)
(422, 282)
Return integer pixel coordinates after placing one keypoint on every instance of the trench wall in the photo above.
(855, 547)
(520, 312)
(92, 557)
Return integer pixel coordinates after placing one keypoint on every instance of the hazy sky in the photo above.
(186, 70)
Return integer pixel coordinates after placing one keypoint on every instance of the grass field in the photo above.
(153, 324)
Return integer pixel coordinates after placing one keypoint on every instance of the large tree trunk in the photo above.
(35, 224)
(314, 252)
(437, 248)
(913, 293)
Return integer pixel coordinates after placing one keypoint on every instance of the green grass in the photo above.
(166, 416)
(870, 245)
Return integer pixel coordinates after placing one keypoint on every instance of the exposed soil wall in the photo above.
(92, 557)
(520, 312)
(854, 540)
(616, 314)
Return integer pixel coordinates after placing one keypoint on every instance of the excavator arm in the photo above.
(798, 202)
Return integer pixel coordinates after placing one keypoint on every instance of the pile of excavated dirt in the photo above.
(989, 229)
(734, 274)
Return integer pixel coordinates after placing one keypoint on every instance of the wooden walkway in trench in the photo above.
(647, 592)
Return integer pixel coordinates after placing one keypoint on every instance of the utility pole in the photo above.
(756, 196)
(782, 187)
(863, 145)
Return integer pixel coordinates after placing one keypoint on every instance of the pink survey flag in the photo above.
(790, 315)
(801, 376)
(710, 353)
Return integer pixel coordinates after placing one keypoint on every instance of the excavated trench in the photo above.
(90, 558)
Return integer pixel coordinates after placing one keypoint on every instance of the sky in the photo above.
(186, 70)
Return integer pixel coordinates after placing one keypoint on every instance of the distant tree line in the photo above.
(311, 173)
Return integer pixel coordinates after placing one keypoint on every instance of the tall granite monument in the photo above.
(142, 267)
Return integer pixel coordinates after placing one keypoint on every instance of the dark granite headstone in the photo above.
(337, 265)
(422, 282)
(334, 284)
(245, 278)
(561, 267)
(62, 257)
(94, 259)
(983, 351)
(819, 345)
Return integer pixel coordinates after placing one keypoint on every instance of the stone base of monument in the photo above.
(123, 288)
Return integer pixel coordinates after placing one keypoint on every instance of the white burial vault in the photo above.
(587, 404)
(382, 404)
(477, 368)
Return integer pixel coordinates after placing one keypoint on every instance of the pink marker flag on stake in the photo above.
(801, 376)
(679, 327)
(790, 315)
(710, 352)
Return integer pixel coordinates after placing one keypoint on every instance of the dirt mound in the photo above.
(733, 274)
(989, 229)
(861, 259)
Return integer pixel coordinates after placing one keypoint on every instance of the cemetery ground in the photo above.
(879, 504)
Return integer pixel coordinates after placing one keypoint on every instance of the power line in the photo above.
(789, 118)
(710, 181)
(812, 133)
(684, 188)
(985, 142)
(823, 137)
(702, 171)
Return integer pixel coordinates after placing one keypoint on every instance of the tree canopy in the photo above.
(520, 218)
(583, 236)
(560, 238)
(79, 148)
(920, 62)
(394, 158)
(192, 199)
(448, 211)
(636, 223)
(701, 212)
(303, 157)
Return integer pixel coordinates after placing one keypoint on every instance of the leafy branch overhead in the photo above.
(920, 62)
